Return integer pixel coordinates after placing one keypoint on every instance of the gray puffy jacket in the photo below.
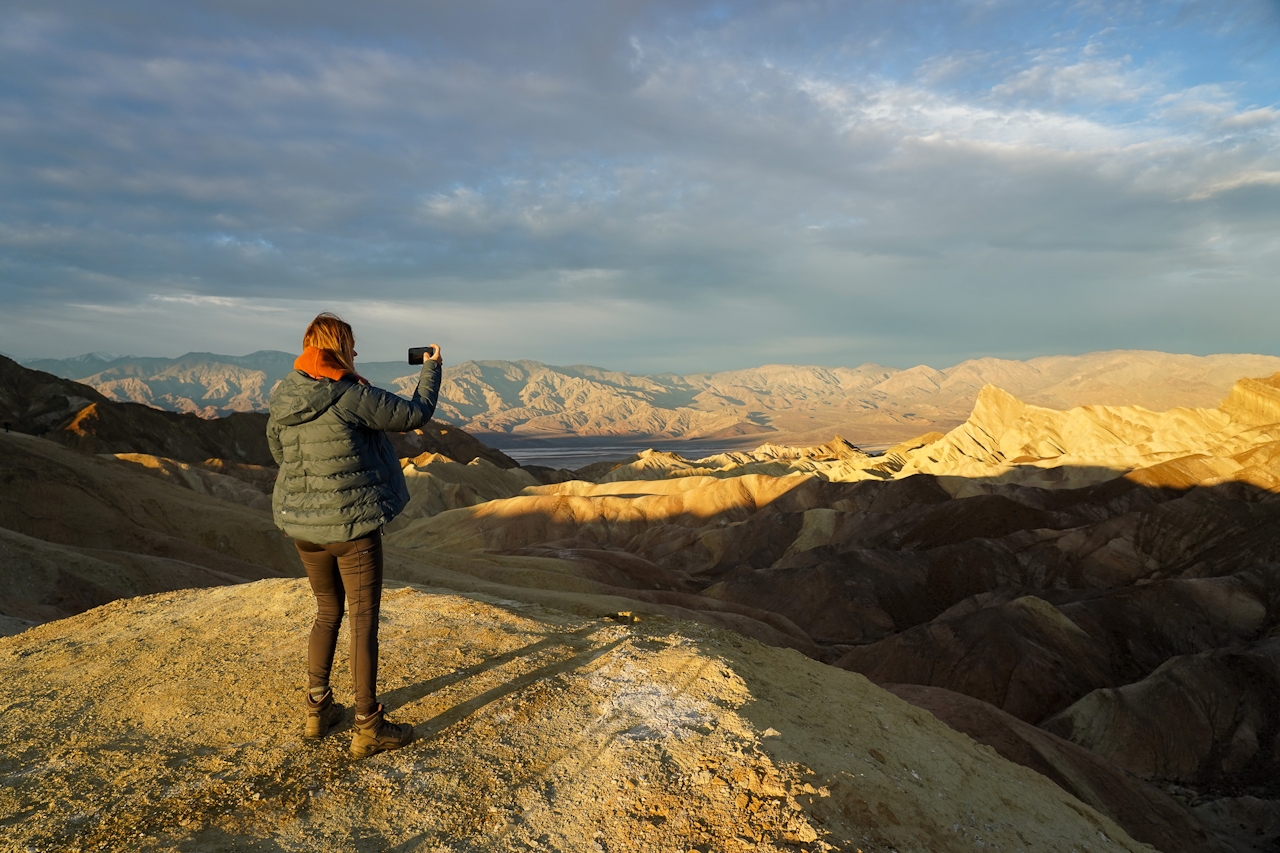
(339, 476)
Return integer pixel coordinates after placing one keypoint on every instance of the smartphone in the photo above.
(417, 354)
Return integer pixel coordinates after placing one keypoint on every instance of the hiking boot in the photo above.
(375, 733)
(322, 715)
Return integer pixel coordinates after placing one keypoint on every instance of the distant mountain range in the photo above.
(870, 404)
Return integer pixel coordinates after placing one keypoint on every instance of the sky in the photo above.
(643, 186)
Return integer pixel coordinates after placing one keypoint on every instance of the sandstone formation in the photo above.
(85, 501)
(1009, 439)
(1254, 400)
(534, 730)
(1024, 656)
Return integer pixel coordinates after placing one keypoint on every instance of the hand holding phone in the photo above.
(418, 354)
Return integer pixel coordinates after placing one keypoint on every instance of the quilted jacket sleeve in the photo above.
(273, 440)
(378, 409)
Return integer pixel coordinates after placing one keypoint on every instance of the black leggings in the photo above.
(353, 569)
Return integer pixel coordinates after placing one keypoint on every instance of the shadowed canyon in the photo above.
(1048, 622)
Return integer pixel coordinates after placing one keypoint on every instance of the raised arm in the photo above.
(376, 408)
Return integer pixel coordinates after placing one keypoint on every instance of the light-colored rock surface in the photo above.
(178, 727)
(1017, 442)
(1254, 400)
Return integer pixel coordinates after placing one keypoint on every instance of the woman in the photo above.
(339, 482)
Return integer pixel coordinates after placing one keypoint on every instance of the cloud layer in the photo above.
(648, 186)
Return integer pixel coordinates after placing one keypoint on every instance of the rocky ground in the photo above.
(172, 722)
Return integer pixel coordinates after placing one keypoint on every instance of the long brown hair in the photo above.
(330, 332)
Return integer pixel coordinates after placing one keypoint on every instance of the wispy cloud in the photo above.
(810, 171)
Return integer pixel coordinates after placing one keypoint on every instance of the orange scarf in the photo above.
(321, 364)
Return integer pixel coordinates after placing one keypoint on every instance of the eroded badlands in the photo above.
(1093, 593)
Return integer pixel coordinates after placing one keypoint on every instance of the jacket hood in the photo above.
(299, 398)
